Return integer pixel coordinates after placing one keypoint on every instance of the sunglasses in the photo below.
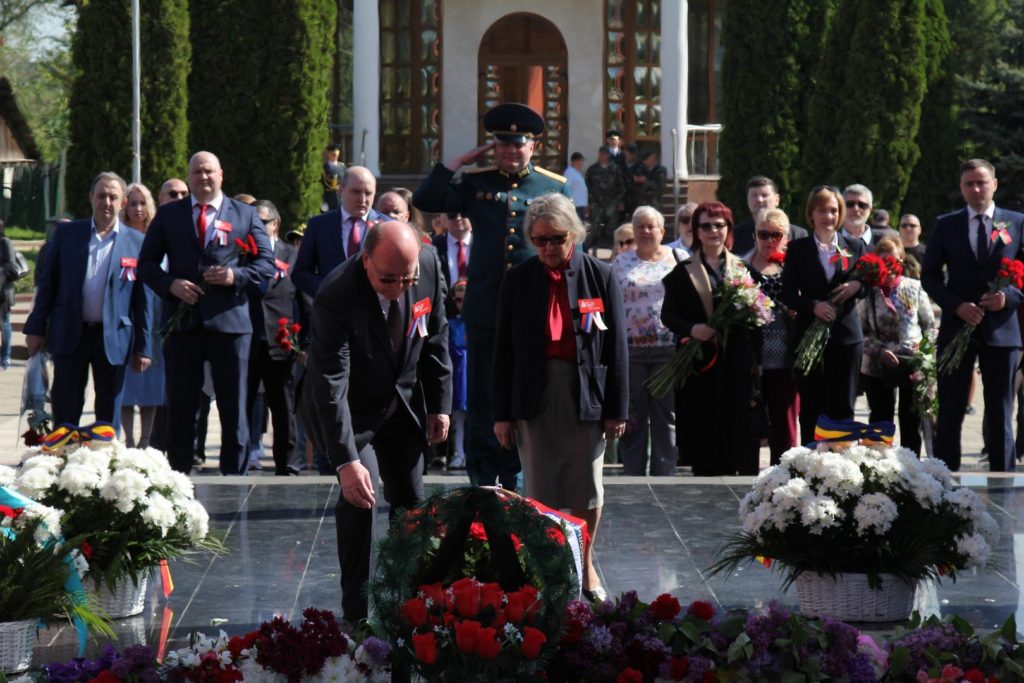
(177, 195)
(852, 203)
(391, 281)
(542, 241)
(685, 220)
(626, 243)
(713, 226)
(770, 236)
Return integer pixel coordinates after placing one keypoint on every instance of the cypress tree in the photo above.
(101, 96)
(759, 109)
(259, 101)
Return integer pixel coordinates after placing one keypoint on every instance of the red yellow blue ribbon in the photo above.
(847, 430)
(65, 434)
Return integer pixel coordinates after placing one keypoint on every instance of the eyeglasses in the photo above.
(909, 225)
(852, 203)
(390, 281)
(542, 241)
(685, 220)
(769, 235)
(177, 194)
(713, 226)
(626, 243)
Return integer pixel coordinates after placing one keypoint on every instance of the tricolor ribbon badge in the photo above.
(999, 231)
(841, 255)
(420, 310)
(66, 433)
(223, 232)
(591, 310)
(282, 269)
(128, 266)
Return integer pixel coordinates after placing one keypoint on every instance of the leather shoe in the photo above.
(595, 594)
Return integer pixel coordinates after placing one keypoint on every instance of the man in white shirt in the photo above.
(577, 185)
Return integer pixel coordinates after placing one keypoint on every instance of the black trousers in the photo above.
(831, 388)
(882, 402)
(71, 375)
(279, 390)
(486, 461)
(396, 453)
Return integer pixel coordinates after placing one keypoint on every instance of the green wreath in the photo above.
(488, 534)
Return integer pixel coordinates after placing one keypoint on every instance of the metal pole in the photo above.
(136, 97)
(675, 169)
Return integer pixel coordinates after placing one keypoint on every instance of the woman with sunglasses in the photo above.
(684, 227)
(713, 416)
(651, 346)
(816, 284)
(560, 367)
(766, 262)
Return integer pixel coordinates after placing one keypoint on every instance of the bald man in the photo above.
(378, 386)
(208, 275)
(337, 235)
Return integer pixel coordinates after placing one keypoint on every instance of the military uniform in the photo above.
(652, 190)
(606, 190)
(495, 203)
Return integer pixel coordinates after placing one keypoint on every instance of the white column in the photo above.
(366, 85)
(674, 84)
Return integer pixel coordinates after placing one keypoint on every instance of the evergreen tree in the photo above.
(166, 54)
(260, 100)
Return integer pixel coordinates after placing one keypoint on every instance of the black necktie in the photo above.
(395, 326)
(982, 239)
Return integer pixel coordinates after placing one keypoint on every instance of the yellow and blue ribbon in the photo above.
(65, 434)
(828, 430)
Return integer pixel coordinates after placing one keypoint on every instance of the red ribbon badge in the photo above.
(420, 310)
(128, 266)
(591, 310)
(591, 306)
(223, 232)
(282, 269)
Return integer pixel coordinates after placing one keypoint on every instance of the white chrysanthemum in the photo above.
(875, 512)
(126, 488)
(975, 547)
(98, 460)
(46, 532)
(159, 512)
(798, 460)
(748, 503)
(792, 494)
(252, 672)
(965, 502)
(80, 479)
(985, 525)
(820, 512)
(7, 475)
(769, 480)
(181, 484)
(926, 489)
(885, 469)
(757, 520)
(195, 519)
(35, 481)
(337, 670)
(938, 469)
(839, 476)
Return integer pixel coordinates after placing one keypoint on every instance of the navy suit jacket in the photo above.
(521, 338)
(353, 375)
(321, 250)
(57, 312)
(173, 234)
(950, 249)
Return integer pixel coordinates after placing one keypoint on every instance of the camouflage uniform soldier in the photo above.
(605, 188)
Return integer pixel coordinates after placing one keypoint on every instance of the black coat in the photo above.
(275, 299)
(519, 352)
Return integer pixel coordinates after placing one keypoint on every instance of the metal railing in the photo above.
(702, 150)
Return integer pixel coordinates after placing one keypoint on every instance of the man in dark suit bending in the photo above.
(378, 386)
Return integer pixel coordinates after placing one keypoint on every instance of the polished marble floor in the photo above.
(654, 538)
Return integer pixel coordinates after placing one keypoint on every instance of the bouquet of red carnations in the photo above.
(741, 302)
(871, 271)
(1011, 272)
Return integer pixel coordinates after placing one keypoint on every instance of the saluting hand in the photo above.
(467, 158)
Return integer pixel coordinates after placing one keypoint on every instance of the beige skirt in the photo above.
(562, 456)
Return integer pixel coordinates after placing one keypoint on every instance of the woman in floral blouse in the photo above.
(895, 317)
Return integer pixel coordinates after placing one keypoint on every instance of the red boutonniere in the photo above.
(841, 255)
(777, 257)
(247, 246)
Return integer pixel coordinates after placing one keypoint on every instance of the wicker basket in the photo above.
(127, 599)
(848, 597)
(16, 641)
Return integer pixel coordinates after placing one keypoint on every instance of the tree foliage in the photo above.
(263, 110)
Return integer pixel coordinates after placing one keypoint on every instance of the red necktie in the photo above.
(354, 238)
(462, 260)
(554, 310)
(201, 225)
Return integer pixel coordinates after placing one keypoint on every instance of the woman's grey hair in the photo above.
(559, 211)
(650, 213)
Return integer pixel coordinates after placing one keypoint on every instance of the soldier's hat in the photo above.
(613, 133)
(513, 122)
(603, 149)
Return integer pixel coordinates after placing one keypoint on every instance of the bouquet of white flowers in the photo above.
(129, 506)
(864, 511)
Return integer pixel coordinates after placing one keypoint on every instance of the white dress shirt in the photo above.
(864, 237)
(825, 254)
(96, 269)
(212, 211)
(453, 256)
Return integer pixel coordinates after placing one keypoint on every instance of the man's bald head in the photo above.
(357, 189)
(172, 189)
(205, 176)
(391, 254)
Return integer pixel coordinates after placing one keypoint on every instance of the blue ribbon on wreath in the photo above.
(828, 430)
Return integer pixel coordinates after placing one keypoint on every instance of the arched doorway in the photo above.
(523, 58)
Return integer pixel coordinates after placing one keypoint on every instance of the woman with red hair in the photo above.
(712, 412)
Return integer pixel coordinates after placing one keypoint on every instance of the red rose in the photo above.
(286, 345)
(708, 677)
(974, 676)
(253, 249)
(701, 610)
(491, 596)
(522, 605)
(467, 633)
(295, 328)
(630, 676)
(665, 607)
(477, 531)
(533, 638)
(241, 245)
(425, 647)
(434, 593)
(282, 322)
(466, 593)
(487, 645)
(778, 257)
(86, 550)
(107, 677)
(414, 612)
(556, 535)
(678, 668)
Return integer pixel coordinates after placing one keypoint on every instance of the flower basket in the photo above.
(849, 597)
(126, 599)
(16, 641)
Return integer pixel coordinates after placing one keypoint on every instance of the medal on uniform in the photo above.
(223, 232)
(128, 266)
(420, 310)
(592, 310)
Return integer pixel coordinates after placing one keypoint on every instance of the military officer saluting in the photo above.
(495, 199)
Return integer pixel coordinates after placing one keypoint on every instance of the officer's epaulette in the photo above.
(480, 169)
(549, 174)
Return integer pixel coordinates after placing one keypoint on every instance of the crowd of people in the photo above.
(500, 343)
